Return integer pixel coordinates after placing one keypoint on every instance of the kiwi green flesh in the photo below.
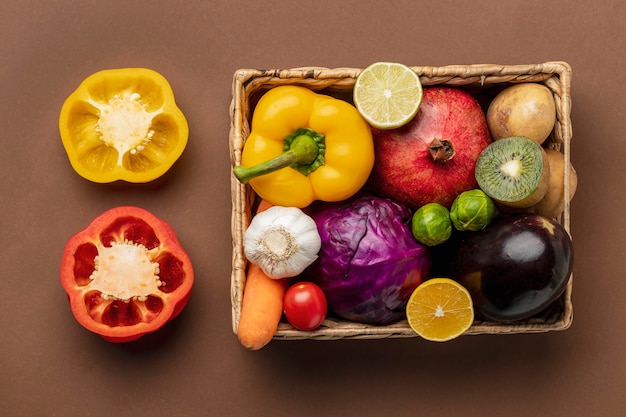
(511, 171)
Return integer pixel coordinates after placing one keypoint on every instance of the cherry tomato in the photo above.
(305, 305)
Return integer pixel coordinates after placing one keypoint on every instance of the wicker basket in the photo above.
(482, 80)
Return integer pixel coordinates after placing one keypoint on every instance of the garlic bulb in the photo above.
(282, 241)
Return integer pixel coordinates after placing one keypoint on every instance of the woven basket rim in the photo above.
(556, 75)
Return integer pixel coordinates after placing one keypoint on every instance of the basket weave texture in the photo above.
(249, 84)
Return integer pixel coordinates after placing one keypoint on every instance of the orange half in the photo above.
(440, 309)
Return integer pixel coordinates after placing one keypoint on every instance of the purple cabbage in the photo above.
(369, 263)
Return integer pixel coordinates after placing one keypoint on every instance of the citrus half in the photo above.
(387, 94)
(440, 309)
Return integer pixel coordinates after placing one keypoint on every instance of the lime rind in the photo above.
(387, 95)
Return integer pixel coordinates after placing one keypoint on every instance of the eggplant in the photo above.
(515, 267)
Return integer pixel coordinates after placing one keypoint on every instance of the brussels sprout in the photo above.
(431, 224)
(472, 211)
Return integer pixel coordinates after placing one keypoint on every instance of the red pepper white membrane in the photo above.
(123, 271)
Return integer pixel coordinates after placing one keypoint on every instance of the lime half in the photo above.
(387, 94)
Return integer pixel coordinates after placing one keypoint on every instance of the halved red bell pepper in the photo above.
(126, 274)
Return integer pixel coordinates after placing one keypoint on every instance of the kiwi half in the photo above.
(514, 171)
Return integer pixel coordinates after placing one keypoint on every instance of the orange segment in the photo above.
(440, 309)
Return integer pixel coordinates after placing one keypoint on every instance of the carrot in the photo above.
(261, 309)
(263, 205)
(262, 305)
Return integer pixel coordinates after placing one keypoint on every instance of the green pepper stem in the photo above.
(303, 151)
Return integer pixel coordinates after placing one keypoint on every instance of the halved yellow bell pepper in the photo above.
(305, 146)
(123, 124)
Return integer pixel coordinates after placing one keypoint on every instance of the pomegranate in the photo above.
(431, 159)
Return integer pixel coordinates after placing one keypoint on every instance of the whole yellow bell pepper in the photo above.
(123, 124)
(305, 146)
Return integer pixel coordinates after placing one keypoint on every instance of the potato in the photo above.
(553, 203)
(526, 109)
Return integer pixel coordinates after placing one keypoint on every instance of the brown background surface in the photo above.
(50, 366)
